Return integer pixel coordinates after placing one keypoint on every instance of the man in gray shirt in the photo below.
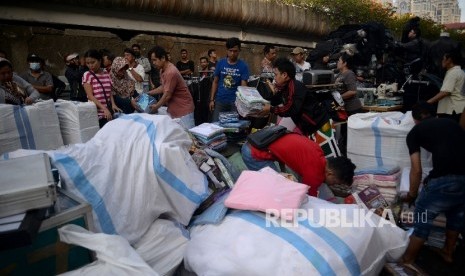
(38, 78)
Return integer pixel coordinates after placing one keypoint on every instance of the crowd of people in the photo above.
(114, 83)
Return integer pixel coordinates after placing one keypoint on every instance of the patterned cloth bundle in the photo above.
(386, 181)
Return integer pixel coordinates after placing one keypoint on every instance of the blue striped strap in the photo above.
(87, 190)
(163, 172)
(377, 133)
(23, 125)
(309, 252)
(339, 246)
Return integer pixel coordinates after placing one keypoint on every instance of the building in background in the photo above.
(441, 11)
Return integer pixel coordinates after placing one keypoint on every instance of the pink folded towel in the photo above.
(259, 191)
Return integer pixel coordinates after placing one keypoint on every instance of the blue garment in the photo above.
(254, 164)
(230, 77)
(444, 194)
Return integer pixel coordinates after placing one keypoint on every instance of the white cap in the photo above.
(72, 56)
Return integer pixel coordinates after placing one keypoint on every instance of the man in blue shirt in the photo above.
(230, 73)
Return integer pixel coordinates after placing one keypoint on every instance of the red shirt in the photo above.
(299, 153)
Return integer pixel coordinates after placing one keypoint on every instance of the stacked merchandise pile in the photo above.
(210, 135)
(379, 139)
(78, 121)
(236, 130)
(249, 101)
(29, 127)
(386, 179)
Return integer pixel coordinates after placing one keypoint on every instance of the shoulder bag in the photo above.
(108, 102)
(264, 137)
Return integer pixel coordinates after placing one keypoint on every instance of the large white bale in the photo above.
(379, 139)
(78, 121)
(334, 241)
(134, 170)
(30, 127)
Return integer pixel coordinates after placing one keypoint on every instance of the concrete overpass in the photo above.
(253, 21)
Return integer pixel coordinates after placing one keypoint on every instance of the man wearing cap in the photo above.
(74, 74)
(298, 58)
(42, 81)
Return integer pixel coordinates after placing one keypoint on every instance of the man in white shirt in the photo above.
(451, 99)
(298, 58)
(142, 60)
(135, 71)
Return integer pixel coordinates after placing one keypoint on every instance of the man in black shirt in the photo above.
(444, 188)
(185, 66)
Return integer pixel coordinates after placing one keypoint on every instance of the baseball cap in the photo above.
(72, 56)
(298, 50)
(33, 57)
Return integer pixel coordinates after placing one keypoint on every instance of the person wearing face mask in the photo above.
(42, 81)
(14, 89)
(141, 60)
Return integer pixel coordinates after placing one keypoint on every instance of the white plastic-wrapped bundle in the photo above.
(134, 170)
(163, 246)
(379, 139)
(328, 239)
(30, 127)
(78, 121)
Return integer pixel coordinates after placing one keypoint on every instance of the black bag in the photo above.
(264, 137)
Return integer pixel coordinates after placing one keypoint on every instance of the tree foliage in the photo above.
(341, 12)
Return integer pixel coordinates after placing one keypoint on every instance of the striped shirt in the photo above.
(105, 79)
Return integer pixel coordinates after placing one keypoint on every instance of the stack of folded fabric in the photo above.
(228, 117)
(386, 179)
(249, 101)
(235, 130)
(210, 135)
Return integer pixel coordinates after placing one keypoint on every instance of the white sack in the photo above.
(243, 244)
(135, 169)
(30, 127)
(114, 254)
(78, 121)
(163, 246)
(379, 139)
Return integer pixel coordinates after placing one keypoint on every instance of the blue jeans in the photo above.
(445, 194)
(222, 107)
(255, 164)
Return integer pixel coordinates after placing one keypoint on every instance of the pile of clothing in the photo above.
(210, 135)
(249, 101)
(386, 179)
(235, 130)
